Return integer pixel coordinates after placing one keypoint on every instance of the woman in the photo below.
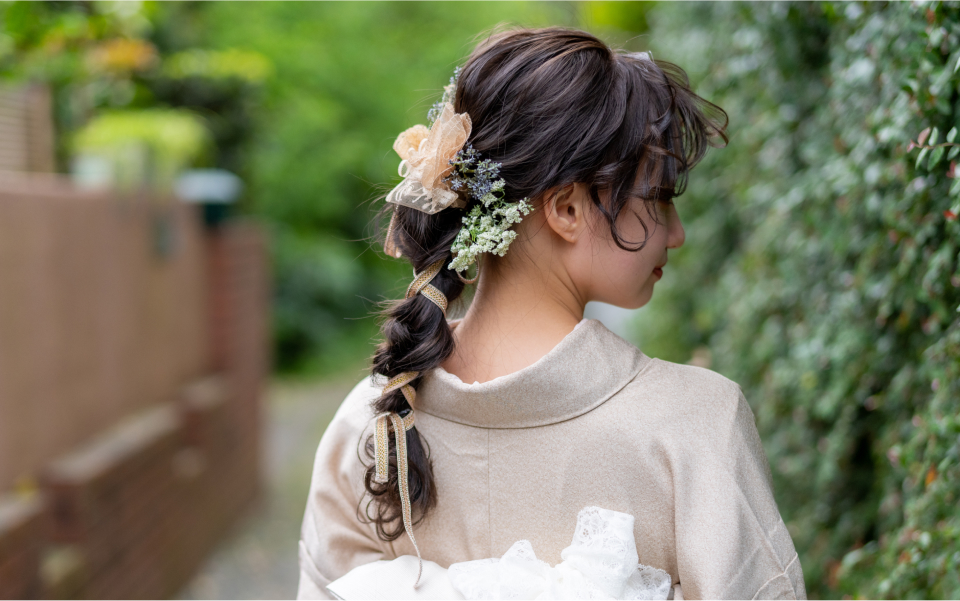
(514, 419)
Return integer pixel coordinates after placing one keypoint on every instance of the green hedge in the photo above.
(821, 273)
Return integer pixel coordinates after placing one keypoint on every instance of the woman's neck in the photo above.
(517, 316)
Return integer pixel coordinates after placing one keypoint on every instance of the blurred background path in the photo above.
(258, 560)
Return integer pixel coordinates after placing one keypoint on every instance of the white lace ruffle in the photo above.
(601, 563)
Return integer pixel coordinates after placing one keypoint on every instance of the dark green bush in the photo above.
(821, 273)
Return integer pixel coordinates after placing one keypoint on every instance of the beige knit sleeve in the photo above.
(731, 540)
(333, 540)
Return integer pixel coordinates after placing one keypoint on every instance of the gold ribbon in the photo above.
(381, 450)
(421, 285)
(384, 421)
(390, 241)
(400, 427)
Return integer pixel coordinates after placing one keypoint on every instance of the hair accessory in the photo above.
(438, 164)
(486, 228)
(426, 155)
(472, 280)
(421, 284)
(400, 427)
(381, 450)
(389, 242)
(403, 383)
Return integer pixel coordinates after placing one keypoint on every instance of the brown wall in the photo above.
(130, 389)
(26, 128)
(94, 323)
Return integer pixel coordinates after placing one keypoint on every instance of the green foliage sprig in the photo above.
(449, 94)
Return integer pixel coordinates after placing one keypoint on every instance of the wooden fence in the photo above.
(133, 355)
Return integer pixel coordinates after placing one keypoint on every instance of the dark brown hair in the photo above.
(554, 107)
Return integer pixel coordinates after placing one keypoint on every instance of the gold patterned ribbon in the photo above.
(400, 427)
(381, 445)
(421, 284)
(384, 421)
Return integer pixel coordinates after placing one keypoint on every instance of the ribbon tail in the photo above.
(381, 450)
(401, 437)
(389, 243)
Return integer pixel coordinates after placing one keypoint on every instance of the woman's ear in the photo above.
(565, 211)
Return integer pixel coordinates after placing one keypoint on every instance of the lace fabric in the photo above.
(600, 563)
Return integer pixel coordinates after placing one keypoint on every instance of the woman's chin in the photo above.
(639, 300)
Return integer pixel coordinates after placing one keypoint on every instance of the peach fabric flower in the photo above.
(426, 155)
(409, 141)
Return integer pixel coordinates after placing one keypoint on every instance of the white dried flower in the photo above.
(486, 228)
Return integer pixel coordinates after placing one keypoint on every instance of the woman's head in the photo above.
(609, 133)
(600, 142)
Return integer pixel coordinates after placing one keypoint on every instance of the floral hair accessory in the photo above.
(438, 165)
(426, 155)
(486, 228)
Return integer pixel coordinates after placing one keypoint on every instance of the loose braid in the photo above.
(416, 337)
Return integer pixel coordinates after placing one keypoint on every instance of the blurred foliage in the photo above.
(121, 57)
(166, 139)
(821, 273)
(214, 64)
(88, 55)
(303, 101)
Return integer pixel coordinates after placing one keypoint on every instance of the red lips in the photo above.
(658, 271)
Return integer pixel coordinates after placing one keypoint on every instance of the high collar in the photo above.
(585, 369)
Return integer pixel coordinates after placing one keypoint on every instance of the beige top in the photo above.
(593, 422)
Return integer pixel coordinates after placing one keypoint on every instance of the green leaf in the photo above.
(955, 188)
(935, 157)
(952, 134)
(923, 154)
